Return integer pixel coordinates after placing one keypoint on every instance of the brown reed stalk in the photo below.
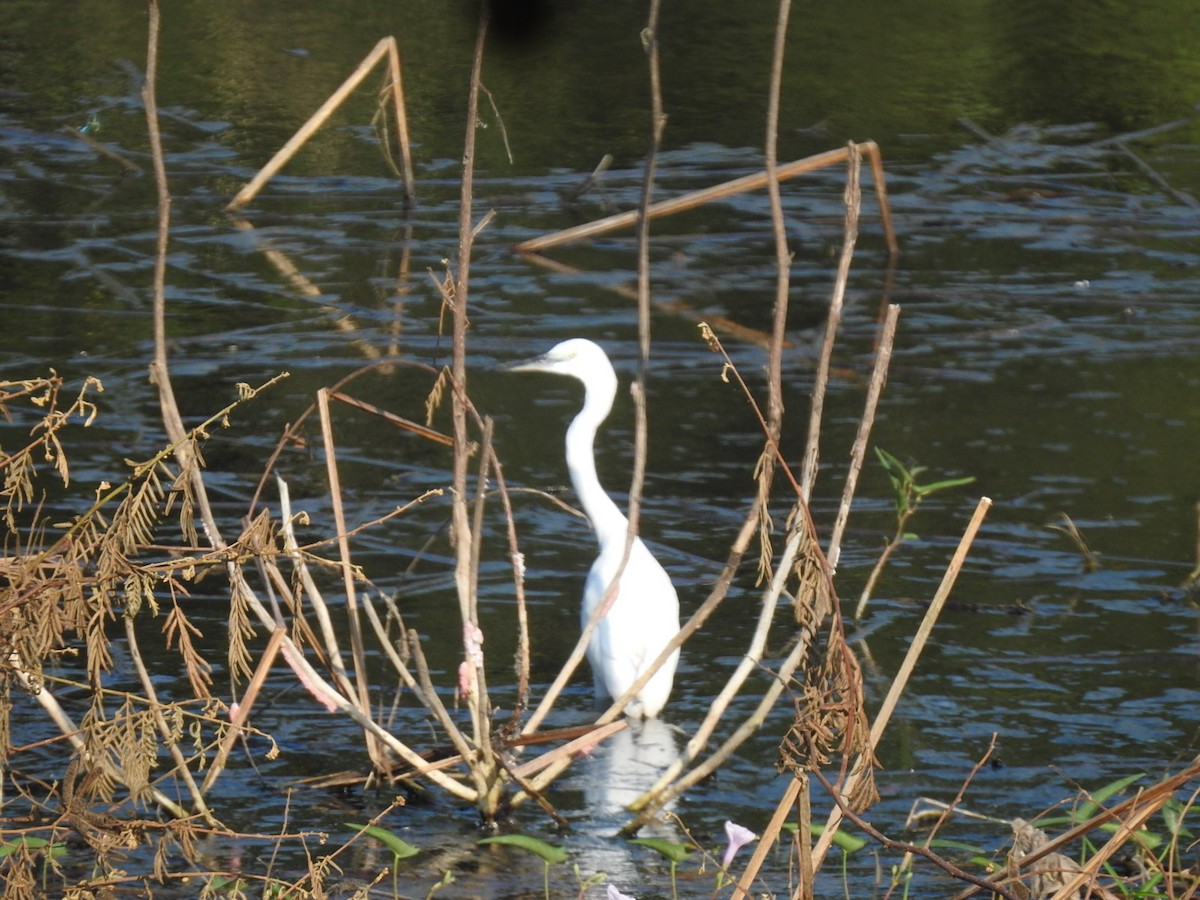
(812, 449)
(321, 689)
(386, 47)
(357, 651)
(238, 719)
(484, 768)
(671, 783)
(783, 255)
(858, 452)
(638, 390)
(719, 192)
(882, 839)
(775, 348)
(902, 676)
(1150, 799)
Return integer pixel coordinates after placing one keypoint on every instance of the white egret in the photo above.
(644, 615)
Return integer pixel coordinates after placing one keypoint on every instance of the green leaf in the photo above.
(548, 852)
(52, 850)
(947, 844)
(1092, 805)
(1146, 839)
(924, 489)
(1174, 813)
(225, 883)
(676, 853)
(400, 848)
(843, 839)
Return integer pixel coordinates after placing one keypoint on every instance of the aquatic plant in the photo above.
(907, 495)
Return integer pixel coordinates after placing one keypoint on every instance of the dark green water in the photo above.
(1048, 346)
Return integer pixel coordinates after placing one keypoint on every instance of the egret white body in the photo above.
(644, 614)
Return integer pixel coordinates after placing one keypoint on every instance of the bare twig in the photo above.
(812, 449)
(942, 863)
(906, 862)
(858, 452)
(386, 47)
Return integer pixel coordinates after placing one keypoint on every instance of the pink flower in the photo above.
(614, 894)
(738, 837)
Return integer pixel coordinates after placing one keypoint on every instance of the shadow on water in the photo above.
(1048, 346)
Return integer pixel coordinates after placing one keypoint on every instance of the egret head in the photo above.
(578, 358)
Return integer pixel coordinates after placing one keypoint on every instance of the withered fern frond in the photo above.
(177, 628)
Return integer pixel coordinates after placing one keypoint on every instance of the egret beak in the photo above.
(533, 364)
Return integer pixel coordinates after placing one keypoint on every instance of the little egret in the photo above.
(644, 614)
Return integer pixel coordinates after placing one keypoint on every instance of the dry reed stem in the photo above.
(385, 643)
(853, 204)
(159, 373)
(317, 685)
(766, 840)
(670, 784)
(883, 840)
(572, 747)
(749, 663)
(357, 652)
(1090, 870)
(906, 668)
(484, 767)
(783, 256)
(858, 451)
(316, 599)
(638, 391)
(237, 720)
(386, 47)
(396, 86)
(666, 789)
(416, 428)
(658, 121)
(1154, 797)
(718, 192)
(462, 746)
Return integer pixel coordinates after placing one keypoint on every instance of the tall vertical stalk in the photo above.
(483, 767)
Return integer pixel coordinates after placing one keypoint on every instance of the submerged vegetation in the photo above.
(126, 805)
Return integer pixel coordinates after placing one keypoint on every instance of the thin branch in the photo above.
(858, 451)
(853, 202)
(945, 865)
